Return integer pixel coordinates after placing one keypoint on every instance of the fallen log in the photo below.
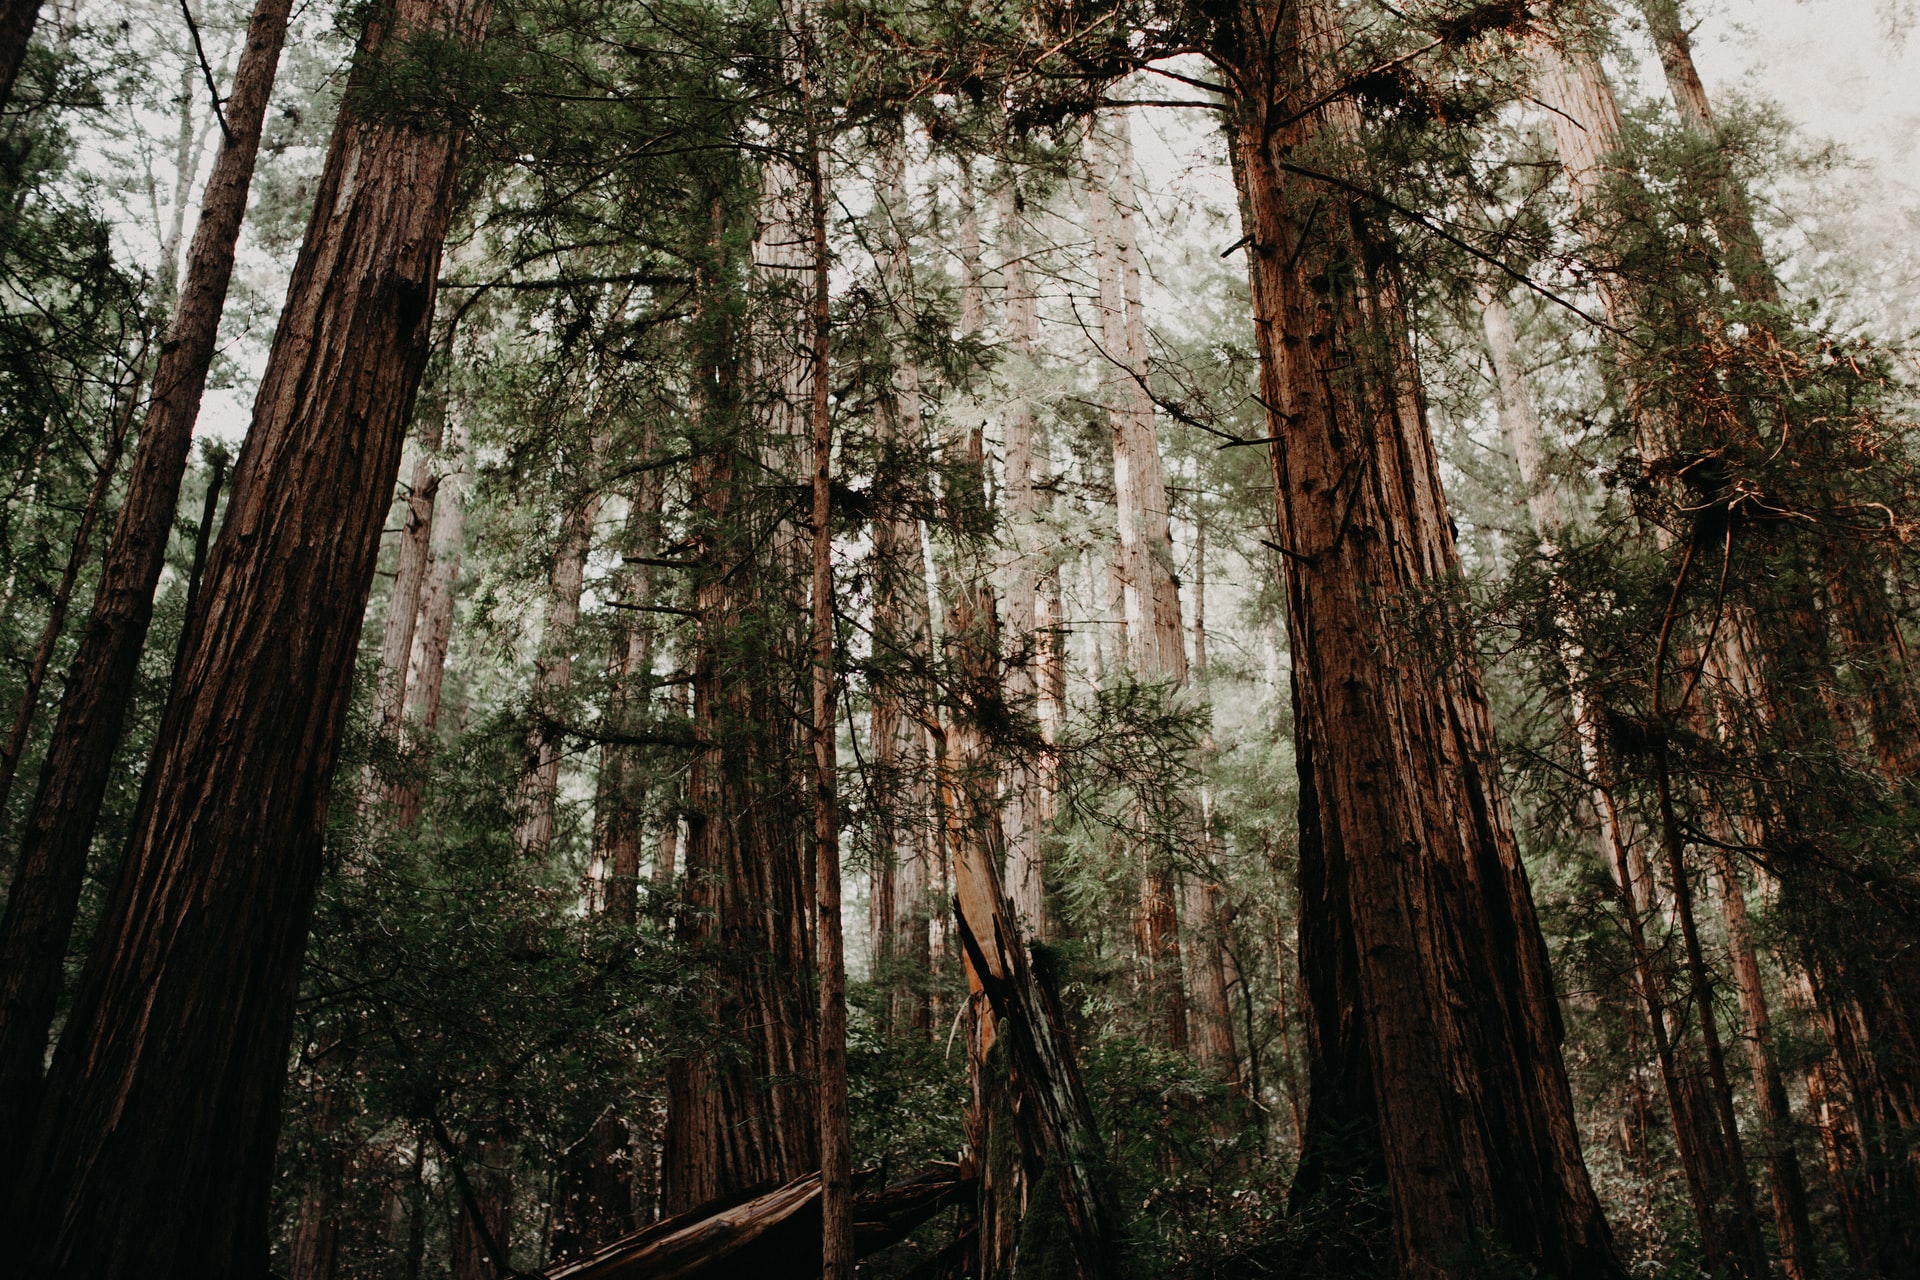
(771, 1233)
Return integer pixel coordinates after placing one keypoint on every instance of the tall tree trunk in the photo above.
(621, 802)
(1586, 125)
(153, 1152)
(1432, 1018)
(538, 787)
(1205, 925)
(836, 1142)
(902, 642)
(1029, 801)
(58, 830)
(415, 556)
(1150, 604)
(1745, 258)
(1060, 1148)
(1798, 1252)
(427, 664)
(751, 1116)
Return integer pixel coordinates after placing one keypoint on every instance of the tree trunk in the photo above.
(1150, 604)
(836, 1143)
(58, 830)
(483, 1207)
(621, 802)
(1029, 800)
(427, 664)
(1432, 1019)
(79, 551)
(176, 1042)
(1798, 1252)
(1206, 946)
(415, 556)
(538, 788)
(902, 652)
(1745, 258)
(1697, 1135)
(751, 1116)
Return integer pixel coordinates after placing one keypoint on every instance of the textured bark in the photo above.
(58, 828)
(1052, 1118)
(1432, 1019)
(1010, 1008)
(752, 1116)
(17, 19)
(771, 1235)
(154, 1149)
(970, 788)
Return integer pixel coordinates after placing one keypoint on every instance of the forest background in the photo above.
(565, 975)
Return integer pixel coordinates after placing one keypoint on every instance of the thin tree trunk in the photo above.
(1154, 644)
(415, 556)
(1432, 1017)
(217, 464)
(622, 799)
(78, 553)
(1205, 927)
(153, 1152)
(1029, 802)
(902, 649)
(836, 1143)
(538, 787)
(427, 665)
(1797, 1248)
(58, 830)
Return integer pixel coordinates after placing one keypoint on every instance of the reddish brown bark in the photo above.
(1431, 1013)
(59, 826)
(154, 1149)
(751, 1116)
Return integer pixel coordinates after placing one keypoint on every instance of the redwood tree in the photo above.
(52, 858)
(1433, 1024)
(153, 1153)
